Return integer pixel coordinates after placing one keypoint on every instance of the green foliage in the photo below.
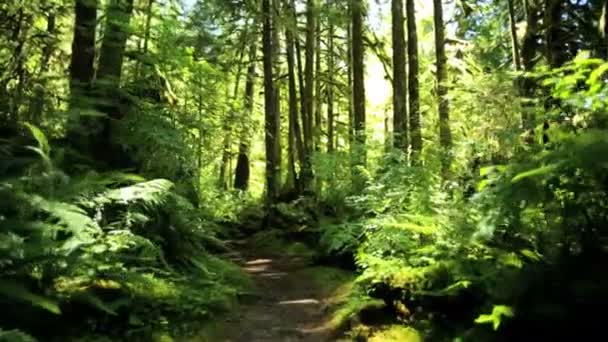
(124, 248)
(518, 218)
(338, 238)
(350, 308)
(397, 333)
(15, 336)
(525, 214)
(497, 315)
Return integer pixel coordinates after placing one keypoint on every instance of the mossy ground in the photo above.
(396, 333)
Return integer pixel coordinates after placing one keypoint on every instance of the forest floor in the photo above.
(290, 301)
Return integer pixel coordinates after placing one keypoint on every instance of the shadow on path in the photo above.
(286, 308)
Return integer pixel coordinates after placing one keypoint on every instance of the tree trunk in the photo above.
(107, 86)
(530, 43)
(302, 88)
(528, 58)
(201, 129)
(37, 103)
(242, 172)
(291, 181)
(349, 77)
(399, 77)
(318, 96)
(83, 52)
(276, 43)
(445, 134)
(309, 74)
(318, 124)
(24, 25)
(413, 89)
(118, 16)
(147, 28)
(82, 130)
(293, 101)
(330, 83)
(603, 28)
(555, 53)
(305, 164)
(228, 121)
(358, 80)
(514, 40)
(270, 115)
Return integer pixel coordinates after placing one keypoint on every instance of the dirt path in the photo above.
(287, 306)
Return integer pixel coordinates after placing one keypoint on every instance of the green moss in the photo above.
(162, 337)
(214, 330)
(397, 333)
(229, 273)
(274, 242)
(342, 297)
(328, 280)
(350, 310)
(271, 242)
(300, 250)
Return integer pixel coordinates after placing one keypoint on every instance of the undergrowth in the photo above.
(482, 253)
(108, 253)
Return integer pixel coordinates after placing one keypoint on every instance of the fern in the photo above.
(14, 290)
(341, 238)
(108, 241)
(149, 194)
(15, 336)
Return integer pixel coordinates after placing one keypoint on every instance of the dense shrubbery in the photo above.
(103, 248)
(522, 248)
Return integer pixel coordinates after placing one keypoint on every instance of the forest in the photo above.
(303, 170)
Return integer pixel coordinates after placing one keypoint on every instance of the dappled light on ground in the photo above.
(288, 305)
(300, 302)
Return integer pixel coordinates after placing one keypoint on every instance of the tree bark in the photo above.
(294, 123)
(413, 89)
(83, 51)
(445, 134)
(530, 44)
(603, 28)
(349, 77)
(309, 74)
(82, 130)
(37, 104)
(528, 58)
(242, 171)
(514, 40)
(118, 16)
(147, 29)
(318, 96)
(399, 77)
(24, 25)
(276, 43)
(330, 83)
(228, 121)
(108, 95)
(270, 115)
(556, 55)
(358, 76)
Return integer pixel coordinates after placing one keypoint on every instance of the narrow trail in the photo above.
(287, 306)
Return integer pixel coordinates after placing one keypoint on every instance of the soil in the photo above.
(286, 306)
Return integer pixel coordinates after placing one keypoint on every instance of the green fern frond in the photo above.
(44, 148)
(41, 139)
(15, 336)
(150, 194)
(95, 302)
(70, 216)
(16, 291)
